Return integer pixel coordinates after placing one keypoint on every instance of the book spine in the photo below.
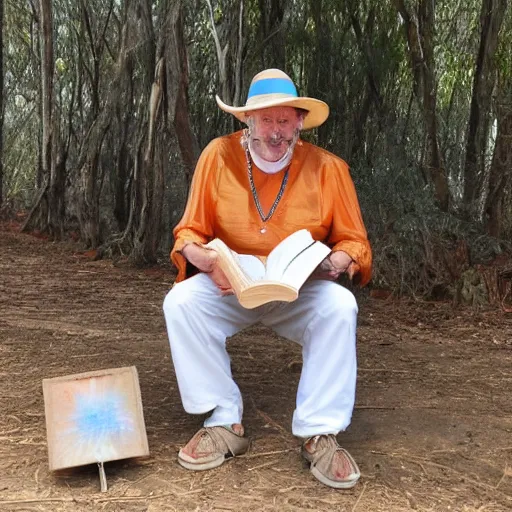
(230, 266)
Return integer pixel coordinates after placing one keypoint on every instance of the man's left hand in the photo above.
(337, 263)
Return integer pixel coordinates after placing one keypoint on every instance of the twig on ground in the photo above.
(376, 407)
(506, 472)
(150, 496)
(264, 465)
(359, 497)
(411, 499)
(13, 431)
(266, 454)
(250, 497)
(293, 488)
(395, 407)
(270, 421)
(38, 500)
(387, 370)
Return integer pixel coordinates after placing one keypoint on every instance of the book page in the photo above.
(280, 257)
(252, 266)
(304, 264)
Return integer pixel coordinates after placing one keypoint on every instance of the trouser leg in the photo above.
(198, 322)
(323, 321)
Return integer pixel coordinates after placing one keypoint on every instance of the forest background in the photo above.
(106, 105)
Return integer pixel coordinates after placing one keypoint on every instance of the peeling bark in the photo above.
(475, 171)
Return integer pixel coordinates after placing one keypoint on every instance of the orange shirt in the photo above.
(319, 196)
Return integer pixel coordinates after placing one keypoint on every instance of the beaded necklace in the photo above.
(264, 217)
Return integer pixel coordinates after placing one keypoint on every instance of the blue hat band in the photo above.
(272, 86)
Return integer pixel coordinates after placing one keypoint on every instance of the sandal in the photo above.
(329, 462)
(210, 447)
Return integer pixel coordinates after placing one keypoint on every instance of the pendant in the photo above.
(263, 230)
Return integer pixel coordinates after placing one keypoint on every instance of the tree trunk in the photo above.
(167, 113)
(46, 34)
(419, 27)
(475, 171)
(48, 211)
(222, 50)
(42, 214)
(35, 57)
(373, 95)
(237, 98)
(176, 90)
(320, 78)
(273, 33)
(149, 180)
(89, 170)
(499, 199)
(364, 44)
(120, 174)
(1, 101)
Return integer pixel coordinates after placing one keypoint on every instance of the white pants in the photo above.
(322, 320)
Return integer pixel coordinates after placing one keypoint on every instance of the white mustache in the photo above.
(273, 141)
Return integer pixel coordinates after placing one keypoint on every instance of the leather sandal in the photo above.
(329, 462)
(210, 447)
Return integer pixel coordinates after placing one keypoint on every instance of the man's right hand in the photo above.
(205, 260)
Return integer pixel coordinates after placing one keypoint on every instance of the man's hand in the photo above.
(333, 266)
(205, 260)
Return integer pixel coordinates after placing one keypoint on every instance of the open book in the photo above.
(280, 278)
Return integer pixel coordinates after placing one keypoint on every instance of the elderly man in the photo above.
(252, 189)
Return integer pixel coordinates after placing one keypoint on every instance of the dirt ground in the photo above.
(431, 430)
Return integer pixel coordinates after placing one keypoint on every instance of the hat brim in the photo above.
(318, 111)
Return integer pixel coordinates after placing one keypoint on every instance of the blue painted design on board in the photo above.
(97, 416)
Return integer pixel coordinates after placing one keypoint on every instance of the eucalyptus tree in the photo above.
(20, 103)
(166, 117)
(498, 211)
(45, 212)
(476, 175)
(1, 100)
(272, 32)
(419, 27)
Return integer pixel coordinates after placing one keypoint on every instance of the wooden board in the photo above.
(94, 417)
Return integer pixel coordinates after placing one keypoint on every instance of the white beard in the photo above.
(272, 167)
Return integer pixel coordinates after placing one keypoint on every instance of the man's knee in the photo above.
(340, 301)
(177, 301)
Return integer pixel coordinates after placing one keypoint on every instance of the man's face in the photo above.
(272, 131)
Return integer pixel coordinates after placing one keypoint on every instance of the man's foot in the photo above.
(210, 447)
(330, 464)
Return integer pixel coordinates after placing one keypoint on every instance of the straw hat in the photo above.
(273, 88)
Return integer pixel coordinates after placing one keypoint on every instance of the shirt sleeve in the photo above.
(348, 232)
(197, 223)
